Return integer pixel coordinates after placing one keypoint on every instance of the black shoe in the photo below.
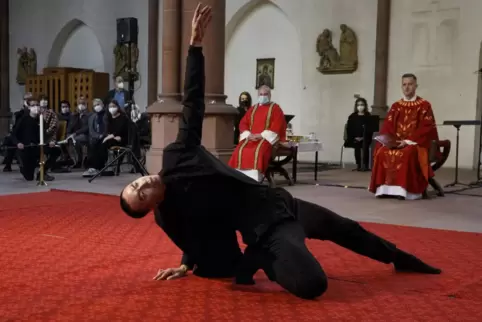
(7, 168)
(358, 168)
(405, 262)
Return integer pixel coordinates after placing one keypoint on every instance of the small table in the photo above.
(307, 146)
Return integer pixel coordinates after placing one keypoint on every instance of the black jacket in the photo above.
(203, 194)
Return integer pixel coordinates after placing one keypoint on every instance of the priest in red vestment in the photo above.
(262, 126)
(402, 169)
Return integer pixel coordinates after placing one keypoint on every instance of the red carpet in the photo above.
(68, 256)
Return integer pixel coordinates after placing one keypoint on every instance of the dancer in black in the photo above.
(200, 203)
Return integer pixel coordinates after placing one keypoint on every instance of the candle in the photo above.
(41, 129)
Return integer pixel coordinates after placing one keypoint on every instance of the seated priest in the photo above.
(401, 165)
(262, 126)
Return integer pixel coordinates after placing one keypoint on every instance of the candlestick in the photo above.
(41, 129)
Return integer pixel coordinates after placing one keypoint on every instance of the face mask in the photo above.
(98, 108)
(120, 85)
(34, 110)
(360, 108)
(43, 103)
(263, 99)
(81, 107)
(65, 110)
(113, 110)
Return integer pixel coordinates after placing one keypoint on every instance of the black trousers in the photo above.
(362, 150)
(29, 160)
(283, 255)
(98, 153)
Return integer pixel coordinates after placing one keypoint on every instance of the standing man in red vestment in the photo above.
(403, 170)
(262, 126)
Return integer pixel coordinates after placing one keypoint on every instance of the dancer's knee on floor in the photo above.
(311, 287)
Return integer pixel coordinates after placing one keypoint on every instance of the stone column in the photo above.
(218, 122)
(152, 51)
(164, 111)
(5, 114)
(380, 106)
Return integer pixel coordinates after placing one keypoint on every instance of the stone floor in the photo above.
(455, 211)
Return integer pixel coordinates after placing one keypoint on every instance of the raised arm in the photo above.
(190, 124)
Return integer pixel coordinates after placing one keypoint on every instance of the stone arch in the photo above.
(292, 70)
(61, 40)
(243, 11)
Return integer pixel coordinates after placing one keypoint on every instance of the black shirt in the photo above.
(27, 130)
(119, 126)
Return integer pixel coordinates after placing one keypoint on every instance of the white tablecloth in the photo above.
(313, 146)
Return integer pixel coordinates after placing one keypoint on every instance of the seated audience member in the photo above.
(78, 128)
(118, 93)
(50, 118)
(65, 113)
(262, 126)
(11, 151)
(245, 102)
(26, 136)
(358, 136)
(401, 164)
(97, 127)
(116, 133)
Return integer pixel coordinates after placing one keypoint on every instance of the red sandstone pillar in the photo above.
(380, 106)
(163, 112)
(4, 65)
(218, 122)
(152, 51)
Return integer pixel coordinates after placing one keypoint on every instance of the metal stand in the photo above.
(456, 179)
(41, 181)
(119, 157)
(478, 182)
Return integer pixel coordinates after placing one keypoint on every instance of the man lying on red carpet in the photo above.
(200, 203)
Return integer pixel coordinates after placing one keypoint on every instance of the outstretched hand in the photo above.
(200, 21)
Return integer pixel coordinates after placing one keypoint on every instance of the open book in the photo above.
(387, 140)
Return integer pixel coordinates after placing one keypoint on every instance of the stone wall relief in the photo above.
(434, 35)
(332, 62)
(26, 65)
(121, 57)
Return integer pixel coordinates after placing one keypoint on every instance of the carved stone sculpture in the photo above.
(121, 56)
(332, 62)
(26, 65)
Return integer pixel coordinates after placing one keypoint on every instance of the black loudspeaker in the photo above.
(127, 30)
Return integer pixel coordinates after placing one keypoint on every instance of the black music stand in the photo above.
(457, 125)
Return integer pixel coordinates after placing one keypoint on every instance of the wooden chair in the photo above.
(282, 154)
(438, 155)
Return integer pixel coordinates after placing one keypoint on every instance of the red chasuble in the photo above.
(405, 171)
(255, 155)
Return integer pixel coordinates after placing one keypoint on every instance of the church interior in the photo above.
(68, 251)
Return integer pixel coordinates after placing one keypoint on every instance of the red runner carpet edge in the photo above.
(72, 256)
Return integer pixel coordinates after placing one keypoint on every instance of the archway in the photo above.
(250, 36)
(76, 45)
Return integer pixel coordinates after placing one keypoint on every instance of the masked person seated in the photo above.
(11, 151)
(65, 113)
(359, 135)
(26, 137)
(245, 102)
(78, 128)
(115, 132)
